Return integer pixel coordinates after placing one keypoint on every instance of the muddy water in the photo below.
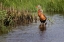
(31, 33)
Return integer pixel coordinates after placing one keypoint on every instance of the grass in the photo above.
(3, 29)
(47, 5)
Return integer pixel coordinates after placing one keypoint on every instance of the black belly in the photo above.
(42, 21)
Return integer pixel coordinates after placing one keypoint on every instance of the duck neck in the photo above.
(39, 12)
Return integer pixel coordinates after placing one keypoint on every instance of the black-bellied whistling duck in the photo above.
(42, 17)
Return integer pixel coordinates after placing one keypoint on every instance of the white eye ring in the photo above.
(39, 6)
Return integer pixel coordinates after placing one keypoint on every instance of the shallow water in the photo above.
(31, 33)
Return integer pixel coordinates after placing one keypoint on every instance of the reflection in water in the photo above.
(42, 27)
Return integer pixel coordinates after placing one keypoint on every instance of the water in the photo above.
(53, 33)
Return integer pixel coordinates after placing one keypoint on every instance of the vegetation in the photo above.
(3, 29)
(47, 5)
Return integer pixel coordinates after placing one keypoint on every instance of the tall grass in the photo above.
(3, 29)
(47, 5)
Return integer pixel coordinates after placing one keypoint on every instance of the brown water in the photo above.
(31, 33)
